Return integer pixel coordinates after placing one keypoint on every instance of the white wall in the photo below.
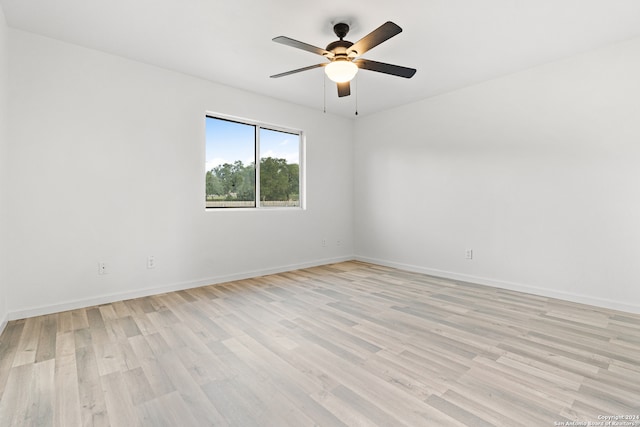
(537, 172)
(3, 164)
(107, 164)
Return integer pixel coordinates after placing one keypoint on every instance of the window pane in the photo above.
(230, 164)
(279, 168)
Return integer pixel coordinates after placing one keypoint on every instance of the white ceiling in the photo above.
(452, 43)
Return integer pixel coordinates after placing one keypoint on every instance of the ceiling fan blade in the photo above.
(286, 73)
(374, 38)
(300, 45)
(381, 67)
(344, 89)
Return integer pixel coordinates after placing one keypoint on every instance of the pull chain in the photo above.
(357, 84)
(324, 93)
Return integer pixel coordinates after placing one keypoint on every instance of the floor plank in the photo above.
(350, 344)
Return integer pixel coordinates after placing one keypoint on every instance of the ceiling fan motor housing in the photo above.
(340, 48)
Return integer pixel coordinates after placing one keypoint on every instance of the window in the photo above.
(234, 179)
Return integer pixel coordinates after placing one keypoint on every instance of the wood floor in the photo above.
(346, 344)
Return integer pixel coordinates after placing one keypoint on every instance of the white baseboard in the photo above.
(3, 324)
(105, 299)
(567, 296)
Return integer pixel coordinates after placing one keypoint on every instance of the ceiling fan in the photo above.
(343, 56)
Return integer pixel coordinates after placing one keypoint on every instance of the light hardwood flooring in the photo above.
(345, 344)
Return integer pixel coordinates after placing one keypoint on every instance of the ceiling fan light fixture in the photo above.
(345, 57)
(341, 71)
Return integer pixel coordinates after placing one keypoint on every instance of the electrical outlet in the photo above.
(103, 268)
(338, 242)
(468, 254)
(324, 243)
(151, 262)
